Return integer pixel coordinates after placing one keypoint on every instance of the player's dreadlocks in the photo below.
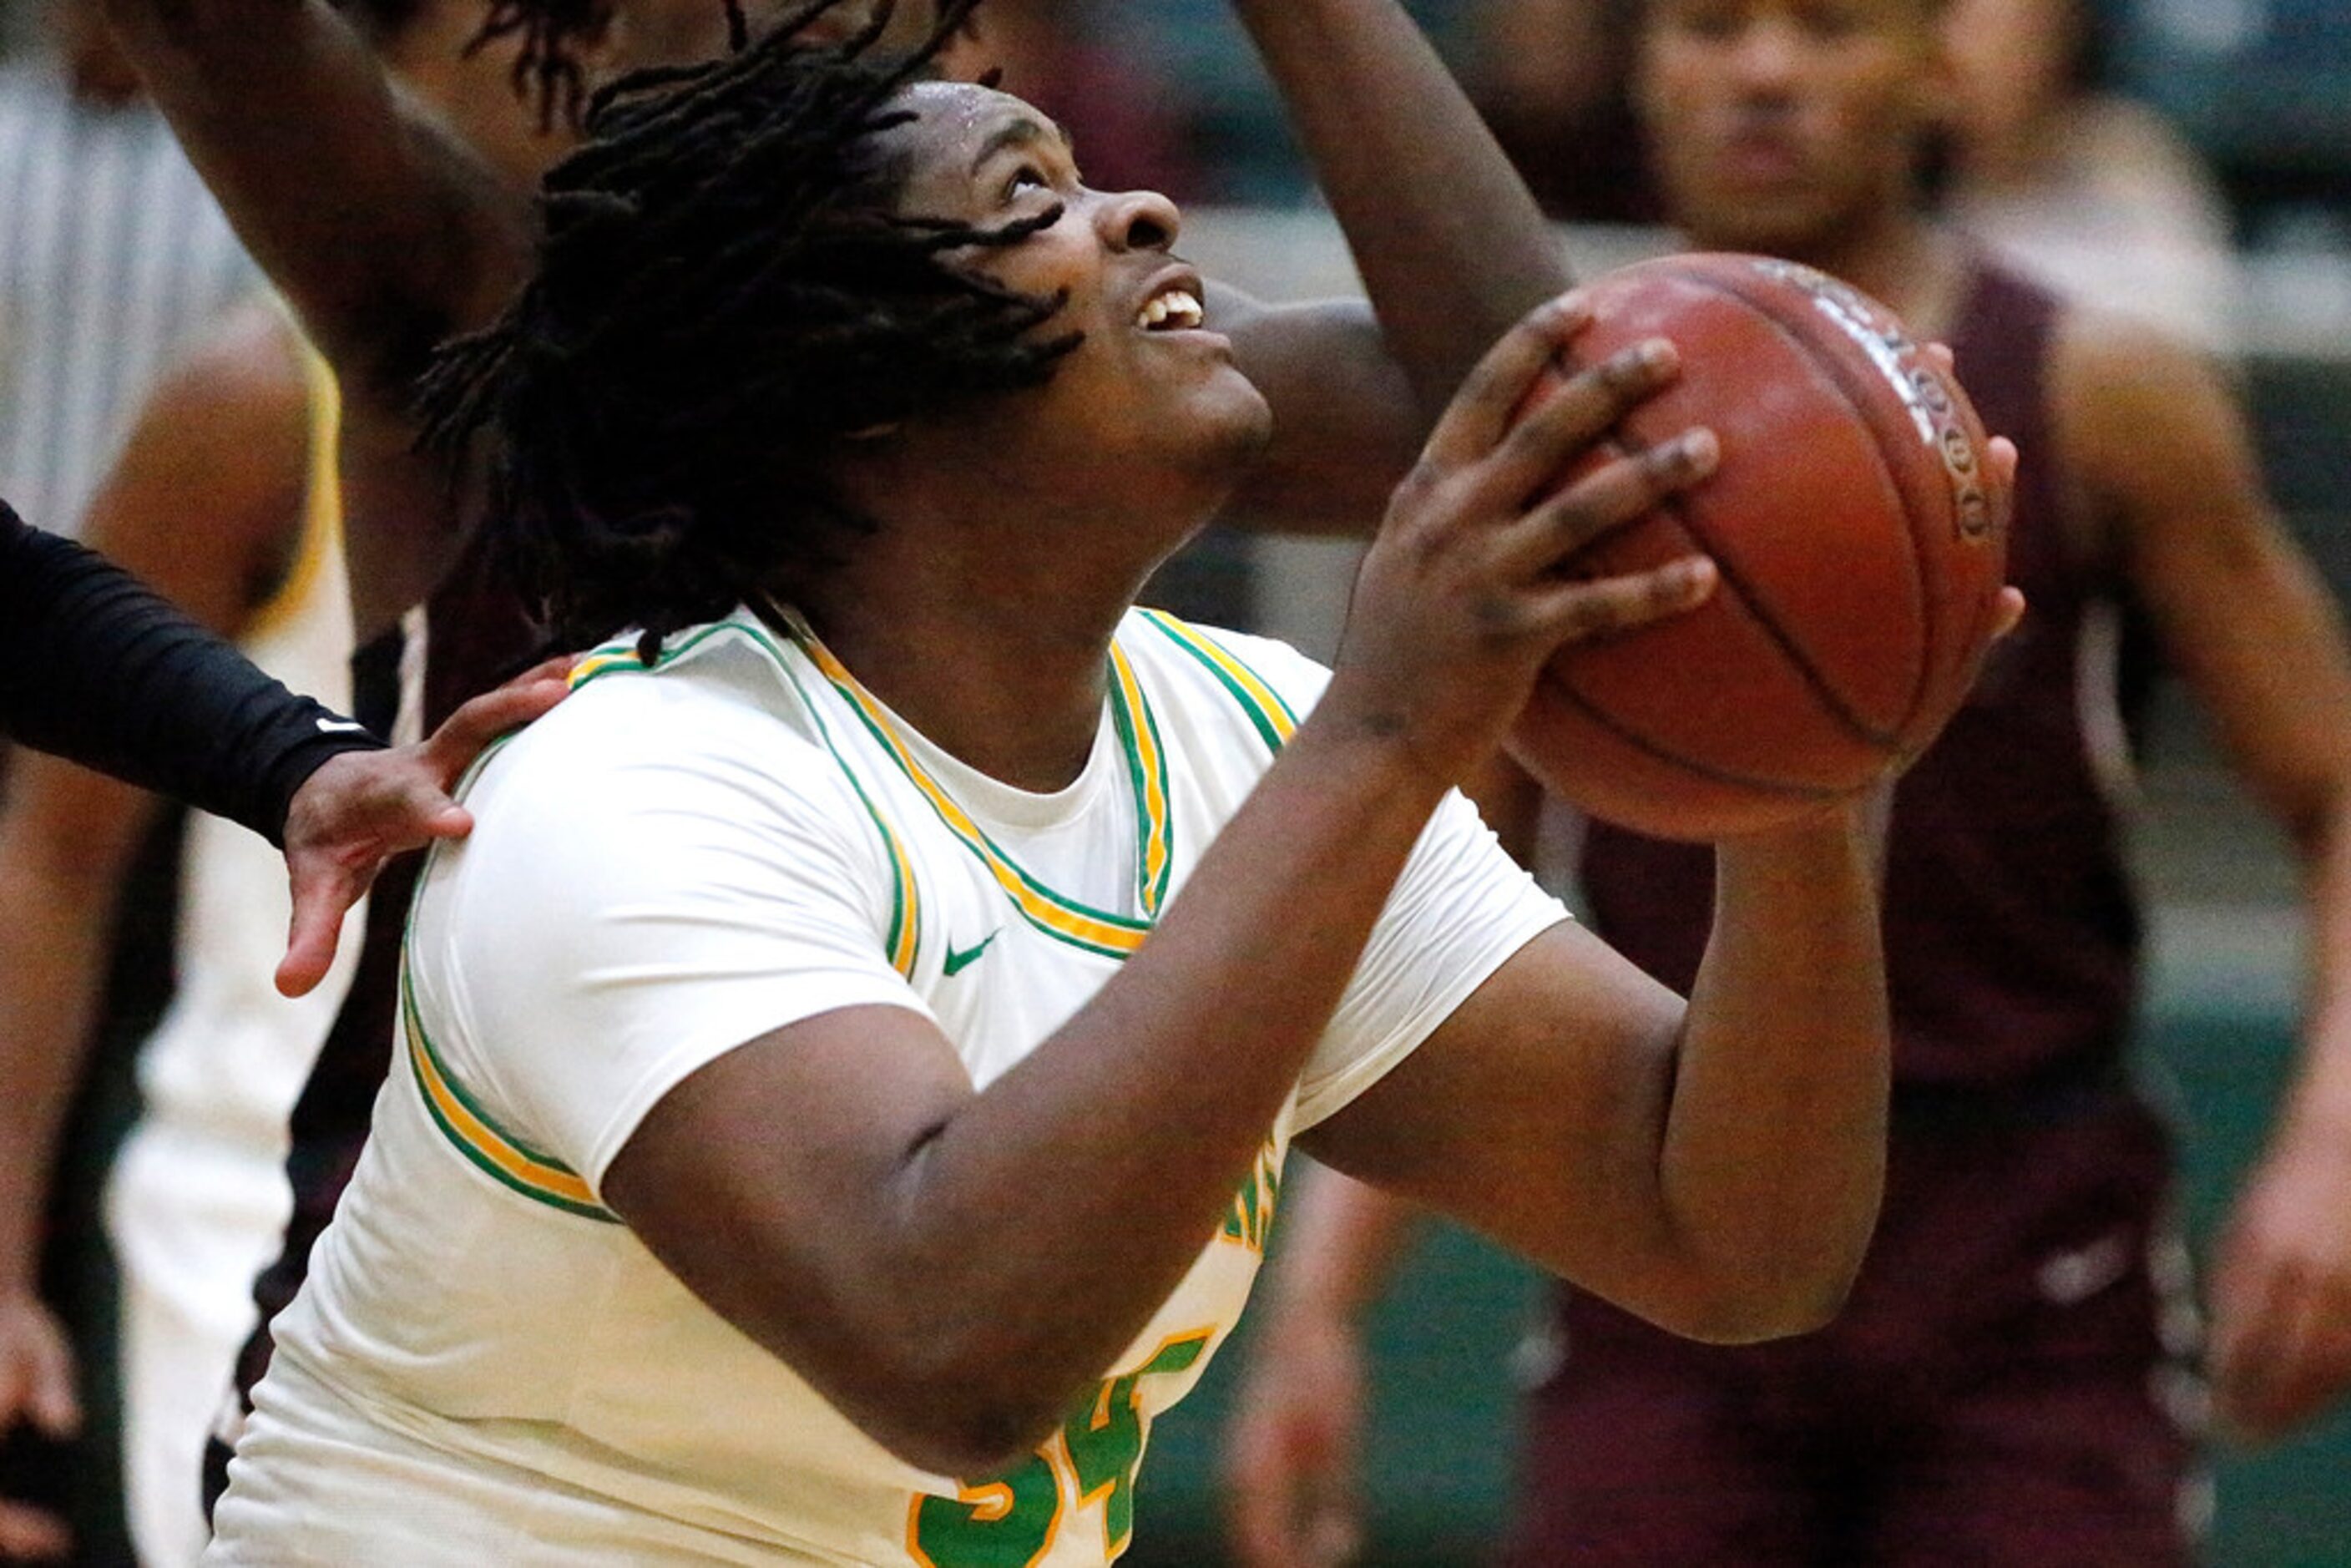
(724, 292)
(546, 66)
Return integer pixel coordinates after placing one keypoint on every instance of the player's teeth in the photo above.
(1155, 312)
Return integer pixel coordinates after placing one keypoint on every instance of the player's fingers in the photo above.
(1573, 612)
(1999, 453)
(463, 734)
(50, 1402)
(1939, 355)
(31, 1534)
(1568, 417)
(2007, 612)
(1490, 395)
(2293, 1356)
(1608, 498)
(2251, 1336)
(322, 896)
(2315, 1371)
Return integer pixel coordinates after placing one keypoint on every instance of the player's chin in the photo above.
(1243, 428)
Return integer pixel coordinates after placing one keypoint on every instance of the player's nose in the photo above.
(1138, 220)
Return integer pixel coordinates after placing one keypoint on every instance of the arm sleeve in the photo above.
(99, 669)
(1459, 911)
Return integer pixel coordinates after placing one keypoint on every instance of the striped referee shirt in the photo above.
(112, 256)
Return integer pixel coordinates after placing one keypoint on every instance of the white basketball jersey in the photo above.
(671, 864)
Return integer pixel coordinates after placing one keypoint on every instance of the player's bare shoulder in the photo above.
(2153, 426)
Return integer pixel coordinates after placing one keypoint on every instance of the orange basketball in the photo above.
(1860, 540)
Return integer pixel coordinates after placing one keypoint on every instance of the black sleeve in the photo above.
(98, 668)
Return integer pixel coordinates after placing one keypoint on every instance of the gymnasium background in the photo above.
(1166, 90)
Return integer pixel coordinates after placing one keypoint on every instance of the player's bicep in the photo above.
(1345, 427)
(1534, 1114)
(769, 1181)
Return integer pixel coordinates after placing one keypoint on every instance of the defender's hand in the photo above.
(1294, 1453)
(364, 807)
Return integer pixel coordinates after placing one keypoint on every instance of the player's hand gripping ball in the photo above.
(1860, 532)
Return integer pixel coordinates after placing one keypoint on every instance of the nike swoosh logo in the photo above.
(958, 961)
(340, 727)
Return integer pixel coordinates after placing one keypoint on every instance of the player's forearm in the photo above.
(1450, 244)
(384, 231)
(100, 670)
(52, 954)
(2319, 1102)
(1775, 1147)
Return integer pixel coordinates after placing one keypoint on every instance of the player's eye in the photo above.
(1027, 177)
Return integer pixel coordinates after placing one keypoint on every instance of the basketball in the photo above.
(1860, 540)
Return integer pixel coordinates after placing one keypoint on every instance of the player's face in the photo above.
(1778, 125)
(1151, 393)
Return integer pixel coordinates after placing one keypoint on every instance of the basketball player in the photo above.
(428, 251)
(441, 237)
(796, 1128)
(227, 500)
(100, 669)
(2007, 1384)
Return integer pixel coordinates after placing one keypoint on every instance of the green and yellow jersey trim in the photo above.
(902, 939)
(1273, 719)
(1065, 919)
(477, 1133)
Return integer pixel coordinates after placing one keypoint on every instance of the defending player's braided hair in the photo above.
(546, 66)
(724, 293)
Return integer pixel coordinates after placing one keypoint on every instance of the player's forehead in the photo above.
(960, 127)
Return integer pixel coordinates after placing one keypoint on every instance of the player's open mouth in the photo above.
(1174, 309)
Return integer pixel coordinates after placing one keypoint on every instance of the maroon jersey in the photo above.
(2011, 932)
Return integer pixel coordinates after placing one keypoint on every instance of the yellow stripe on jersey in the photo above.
(1272, 716)
(1146, 760)
(1113, 936)
(902, 939)
(477, 1135)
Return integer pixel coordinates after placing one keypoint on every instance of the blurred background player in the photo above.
(100, 669)
(113, 257)
(2091, 193)
(228, 500)
(1997, 1390)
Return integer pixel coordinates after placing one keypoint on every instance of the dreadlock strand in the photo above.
(727, 291)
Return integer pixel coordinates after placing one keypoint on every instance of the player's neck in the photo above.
(982, 605)
(1003, 667)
